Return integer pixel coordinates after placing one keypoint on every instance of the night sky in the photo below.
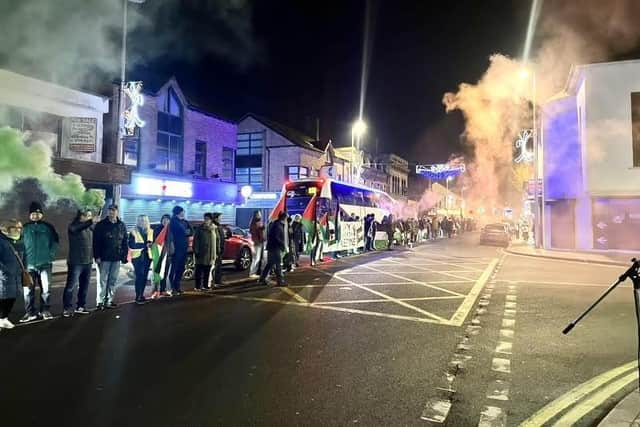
(307, 62)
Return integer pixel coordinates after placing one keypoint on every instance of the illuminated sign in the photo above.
(312, 190)
(440, 171)
(264, 196)
(163, 187)
(132, 119)
(524, 155)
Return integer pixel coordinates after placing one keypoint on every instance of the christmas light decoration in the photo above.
(132, 119)
(440, 171)
(525, 156)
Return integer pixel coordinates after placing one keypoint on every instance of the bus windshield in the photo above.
(299, 195)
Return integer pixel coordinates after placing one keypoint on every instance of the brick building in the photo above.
(269, 153)
(182, 155)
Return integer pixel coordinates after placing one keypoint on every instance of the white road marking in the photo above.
(436, 410)
(504, 347)
(508, 323)
(512, 298)
(510, 305)
(499, 364)
(498, 390)
(367, 301)
(509, 313)
(492, 416)
(506, 333)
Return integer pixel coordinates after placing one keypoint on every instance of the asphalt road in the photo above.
(365, 340)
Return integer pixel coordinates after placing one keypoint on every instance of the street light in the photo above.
(525, 74)
(123, 66)
(246, 191)
(358, 129)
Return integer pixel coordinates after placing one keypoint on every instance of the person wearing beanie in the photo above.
(180, 230)
(41, 245)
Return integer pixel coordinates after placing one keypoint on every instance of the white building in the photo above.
(70, 121)
(590, 141)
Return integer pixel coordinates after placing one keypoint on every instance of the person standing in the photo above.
(41, 245)
(204, 250)
(140, 241)
(276, 246)
(110, 251)
(318, 244)
(299, 239)
(160, 287)
(390, 228)
(180, 230)
(79, 262)
(368, 222)
(12, 266)
(256, 229)
(220, 240)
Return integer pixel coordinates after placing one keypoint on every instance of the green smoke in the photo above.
(20, 161)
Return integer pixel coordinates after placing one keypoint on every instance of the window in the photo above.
(201, 159)
(250, 144)
(170, 144)
(296, 172)
(227, 164)
(635, 128)
(132, 150)
(250, 176)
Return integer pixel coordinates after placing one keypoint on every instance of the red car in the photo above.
(238, 250)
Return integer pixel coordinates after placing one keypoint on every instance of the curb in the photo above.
(626, 412)
(561, 258)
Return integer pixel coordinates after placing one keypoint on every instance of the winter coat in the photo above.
(10, 270)
(276, 236)
(80, 242)
(41, 244)
(110, 241)
(299, 237)
(220, 234)
(256, 229)
(205, 242)
(180, 230)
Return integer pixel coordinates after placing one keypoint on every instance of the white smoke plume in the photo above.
(499, 104)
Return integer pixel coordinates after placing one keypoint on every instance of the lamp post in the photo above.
(357, 130)
(449, 178)
(538, 191)
(117, 189)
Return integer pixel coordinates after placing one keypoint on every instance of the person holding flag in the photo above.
(161, 252)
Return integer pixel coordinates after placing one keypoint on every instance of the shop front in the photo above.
(156, 195)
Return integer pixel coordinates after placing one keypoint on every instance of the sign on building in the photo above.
(79, 134)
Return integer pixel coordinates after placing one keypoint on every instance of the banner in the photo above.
(351, 235)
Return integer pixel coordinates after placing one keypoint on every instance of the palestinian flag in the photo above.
(280, 206)
(308, 219)
(158, 258)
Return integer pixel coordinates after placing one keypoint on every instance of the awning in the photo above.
(94, 172)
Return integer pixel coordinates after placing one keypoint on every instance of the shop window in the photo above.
(201, 159)
(170, 127)
(227, 164)
(132, 151)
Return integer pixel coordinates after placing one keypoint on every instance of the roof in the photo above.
(293, 135)
(577, 71)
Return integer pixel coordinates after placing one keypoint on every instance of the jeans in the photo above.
(107, 276)
(77, 275)
(41, 277)
(257, 261)
(274, 260)
(141, 266)
(201, 276)
(217, 270)
(177, 269)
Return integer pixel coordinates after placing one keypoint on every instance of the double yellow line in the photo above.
(581, 400)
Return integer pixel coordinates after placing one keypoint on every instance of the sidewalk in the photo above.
(595, 256)
(626, 413)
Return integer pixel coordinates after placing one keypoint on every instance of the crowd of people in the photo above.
(159, 252)
(27, 254)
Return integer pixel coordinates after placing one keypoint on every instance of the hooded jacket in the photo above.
(110, 241)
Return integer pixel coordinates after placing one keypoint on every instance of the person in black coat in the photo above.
(180, 230)
(276, 245)
(79, 262)
(299, 239)
(110, 249)
(220, 241)
(12, 261)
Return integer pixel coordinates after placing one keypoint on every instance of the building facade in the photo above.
(71, 123)
(269, 154)
(397, 170)
(590, 139)
(182, 155)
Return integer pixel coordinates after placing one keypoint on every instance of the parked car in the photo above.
(238, 250)
(495, 234)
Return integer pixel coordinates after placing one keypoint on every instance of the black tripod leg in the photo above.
(636, 298)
